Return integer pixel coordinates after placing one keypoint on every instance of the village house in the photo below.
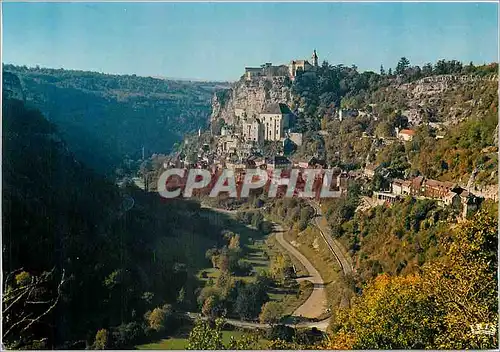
(437, 189)
(252, 130)
(417, 186)
(355, 174)
(343, 180)
(278, 162)
(401, 187)
(228, 144)
(369, 170)
(253, 72)
(452, 199)
(385, 197)
(302, 164)
(316, 163)
(265, 70)
(469, 202)
(226, 130)
(239, 113)
(275, 119)
(405, 134)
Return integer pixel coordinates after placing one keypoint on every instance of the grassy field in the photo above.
(294, 297)
(180, 343)
(311, 244)
(259, 250)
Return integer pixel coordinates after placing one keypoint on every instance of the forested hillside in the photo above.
(452, 107)
(79, 253)
(108, 118)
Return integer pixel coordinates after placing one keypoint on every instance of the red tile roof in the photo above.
(408, 132)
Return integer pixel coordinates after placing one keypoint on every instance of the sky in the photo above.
(215, 41)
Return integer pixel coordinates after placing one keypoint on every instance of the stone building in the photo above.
(405, 134)
(253, 130)
(297, 66)
(401, 187)
(437, 189)
(275, 119)
(278, 162)
(265, 70)
(253, 72)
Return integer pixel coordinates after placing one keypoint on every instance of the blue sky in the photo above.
(215, 41)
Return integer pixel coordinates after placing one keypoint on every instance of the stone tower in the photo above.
(315, 58)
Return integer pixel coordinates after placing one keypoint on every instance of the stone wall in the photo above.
(251, 96)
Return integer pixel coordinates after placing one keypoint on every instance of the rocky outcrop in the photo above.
(12, 86)
(426, 96)
(249, 97)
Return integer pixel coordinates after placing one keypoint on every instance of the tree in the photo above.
(384, 129)
(181, 297)
(402, 66)
(392, 313)
(204, 337)
(382, 70)
(438, 309)
(271, 313)
(101, 339)
(212, 307)
(250, 299)
(463, 283)
(281, 268)
(158, 319)
(27, 301)
(234, 242)
(427, 70)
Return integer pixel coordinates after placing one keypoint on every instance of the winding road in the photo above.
(316, 303)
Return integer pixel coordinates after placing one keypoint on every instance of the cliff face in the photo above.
(445, 98)
(12, 86)
(251, 97)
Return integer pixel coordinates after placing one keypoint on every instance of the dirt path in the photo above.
(316, 304)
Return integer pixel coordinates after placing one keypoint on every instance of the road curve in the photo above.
(320, 325)
(316, 304)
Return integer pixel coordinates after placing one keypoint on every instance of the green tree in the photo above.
(402, 66)
(382, 70)
(158, 319)
(250, 299)
(212, 307)
(271, 313)
(101, 340)
(205, 337)
(393, 313)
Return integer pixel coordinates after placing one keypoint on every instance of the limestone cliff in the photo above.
(250, 97)
(444, 98)
(12, 86)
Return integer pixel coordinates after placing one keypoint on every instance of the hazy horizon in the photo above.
(215, 41)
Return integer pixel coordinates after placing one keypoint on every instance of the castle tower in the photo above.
(315, 58)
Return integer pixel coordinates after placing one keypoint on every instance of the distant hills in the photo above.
(106, 119)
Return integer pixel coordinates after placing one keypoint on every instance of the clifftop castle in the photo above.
(291, 70)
